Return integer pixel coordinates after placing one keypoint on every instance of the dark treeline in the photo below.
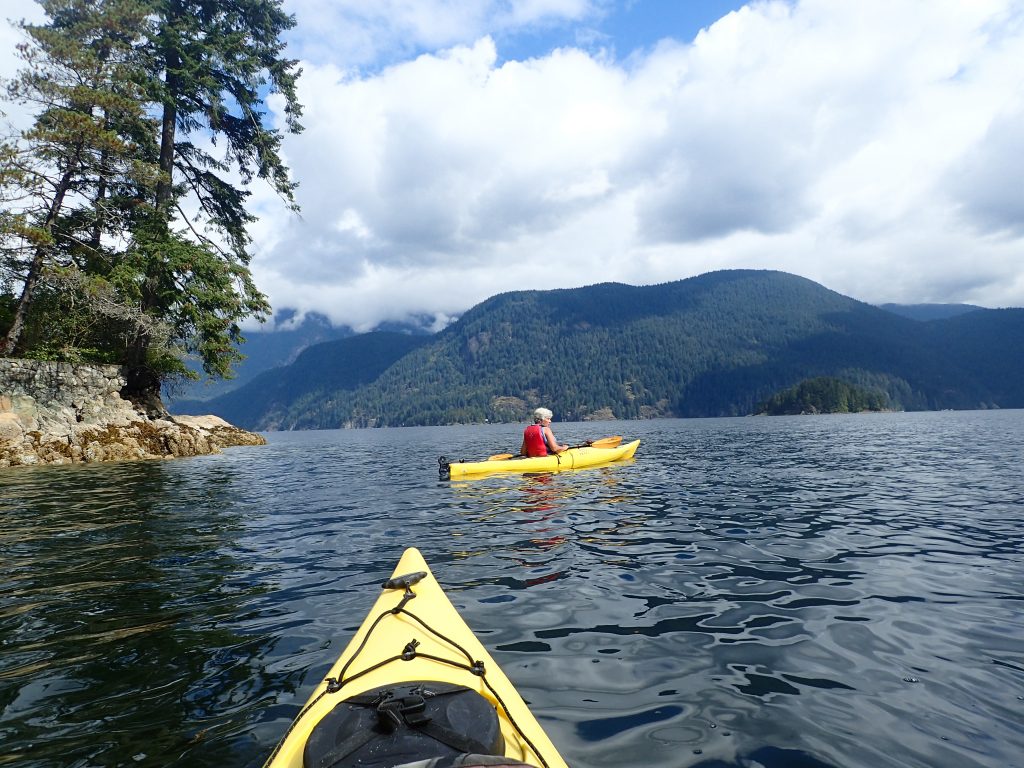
(823, 395)
(715, 345)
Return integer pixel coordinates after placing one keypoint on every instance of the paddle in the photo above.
(604, 442)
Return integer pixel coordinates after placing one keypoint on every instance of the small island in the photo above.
(824, 394)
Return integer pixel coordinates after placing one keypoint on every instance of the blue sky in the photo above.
(622, 28)
(373, 34)
(455, 149)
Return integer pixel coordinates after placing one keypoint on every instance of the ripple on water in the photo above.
(783, 592)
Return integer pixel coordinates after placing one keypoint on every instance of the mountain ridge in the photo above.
(926, 312)
(712, 345)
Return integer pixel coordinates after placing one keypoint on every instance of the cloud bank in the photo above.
(874, 146)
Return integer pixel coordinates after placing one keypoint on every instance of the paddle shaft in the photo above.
(604, 442)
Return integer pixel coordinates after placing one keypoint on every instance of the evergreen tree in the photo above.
(95, 193)
(211, 61)
(62, 179)
(824, 394)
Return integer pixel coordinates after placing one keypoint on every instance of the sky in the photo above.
(456, 149)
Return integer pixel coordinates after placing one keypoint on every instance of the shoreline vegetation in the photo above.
(687, 349)
(123, 241)
(63, 413)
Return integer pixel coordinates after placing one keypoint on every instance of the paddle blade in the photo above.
(500, 456)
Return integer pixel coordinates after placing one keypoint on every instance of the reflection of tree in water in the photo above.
(120, 592)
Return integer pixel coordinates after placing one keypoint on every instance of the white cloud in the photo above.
(447, 160)
(366, 32)
(873, 146)
(986, 183)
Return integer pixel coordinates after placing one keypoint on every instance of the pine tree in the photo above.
(95, 193)
(212, 62)
(61, 177)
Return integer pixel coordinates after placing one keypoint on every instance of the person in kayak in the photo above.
(538, 439)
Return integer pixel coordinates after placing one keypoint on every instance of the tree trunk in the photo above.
(21, 311)
(165, 186)
(143, 390)
(143, 385)
(35, 269)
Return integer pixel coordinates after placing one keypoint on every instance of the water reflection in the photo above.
(114, 597)
(817, 592)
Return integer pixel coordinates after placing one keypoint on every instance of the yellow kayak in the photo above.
(574, 458)
(414, 684)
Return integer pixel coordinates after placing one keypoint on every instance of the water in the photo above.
(809, 591)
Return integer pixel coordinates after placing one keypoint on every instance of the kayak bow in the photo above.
(414, 684)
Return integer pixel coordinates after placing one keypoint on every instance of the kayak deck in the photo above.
(574, 458)
(414, 633)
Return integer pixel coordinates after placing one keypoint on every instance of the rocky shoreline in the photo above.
(59, 413)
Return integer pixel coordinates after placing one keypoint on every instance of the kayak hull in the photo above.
(373, 658)
(574, 458)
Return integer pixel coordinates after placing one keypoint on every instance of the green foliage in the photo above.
(66, 177)
(97, 262)
(714, 345)
(213, 63)
(824, 394)
(197, 293)
(63, 327)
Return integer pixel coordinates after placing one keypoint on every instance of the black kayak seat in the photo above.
(421, 724)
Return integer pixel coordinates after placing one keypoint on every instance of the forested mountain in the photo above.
(320, 373)
(717, 344)
(989, 346)
(263, 350)
(275, 347)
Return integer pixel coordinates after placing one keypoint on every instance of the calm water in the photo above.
(805, 591)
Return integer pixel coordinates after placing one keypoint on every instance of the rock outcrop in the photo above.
(59, 413)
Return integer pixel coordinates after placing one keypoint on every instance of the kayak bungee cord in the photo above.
(408, 653)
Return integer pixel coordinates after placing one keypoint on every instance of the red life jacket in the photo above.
(536, 445)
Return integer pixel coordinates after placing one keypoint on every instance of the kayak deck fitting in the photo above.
(574, 458)
(414, 683)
